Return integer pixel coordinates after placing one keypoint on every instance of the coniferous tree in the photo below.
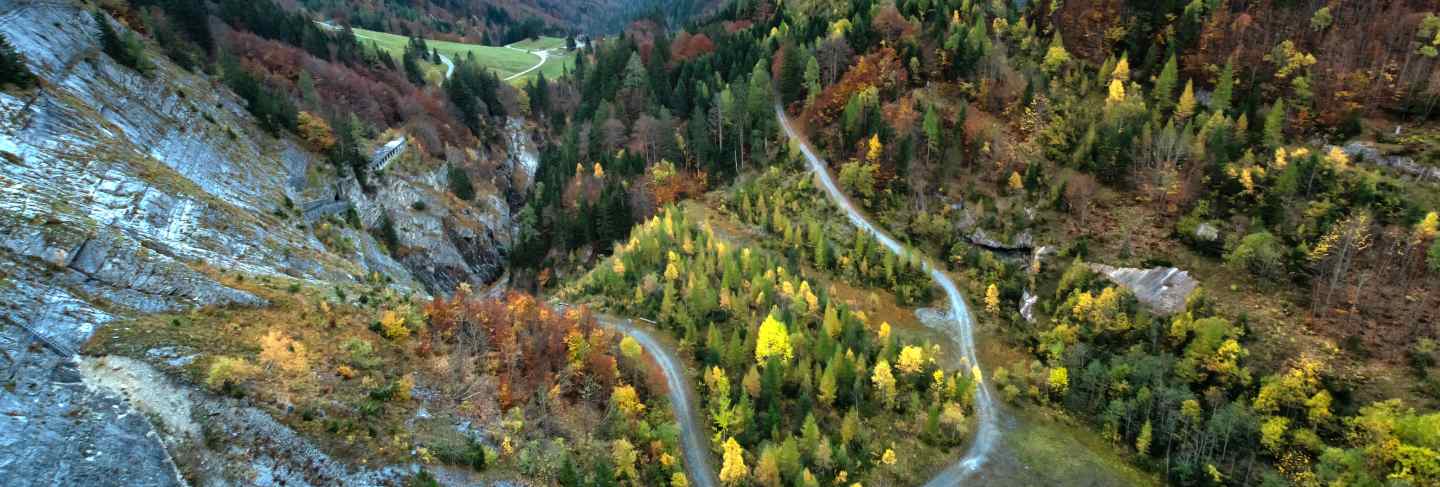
(124, 49)
(812, 78)
(411, 62)
(1275, 125)
(540, 96)
(13, 70)
(792, 75)
(932, 130)
(1165, 84)
(1224, 89)
(1186, 106)
(460, 184)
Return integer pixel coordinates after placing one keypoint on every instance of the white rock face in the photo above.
(122, 194)
(1163, 289)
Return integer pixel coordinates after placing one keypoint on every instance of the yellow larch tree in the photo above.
(912, 359)
(992, 299)
(884, 382)
(1428, 227)
(627, 401)
(624, 454)
(733, 471)
(1122, 69)
(1338, 158)
(1059, 380)
(1117, 92)
(1186, 107)
(872, 154)
(773, 341)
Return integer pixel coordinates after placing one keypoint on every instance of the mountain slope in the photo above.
(126, 194)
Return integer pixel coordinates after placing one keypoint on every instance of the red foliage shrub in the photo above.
(686, 46)
(526, 341)
(881, 69)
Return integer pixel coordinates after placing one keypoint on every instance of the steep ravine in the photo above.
(122, 194)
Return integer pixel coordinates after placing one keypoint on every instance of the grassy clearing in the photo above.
(505, 61)
(1064, 454)
(540, 43)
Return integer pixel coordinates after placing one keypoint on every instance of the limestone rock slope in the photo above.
(123, 194)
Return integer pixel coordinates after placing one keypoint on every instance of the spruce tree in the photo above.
(126, 50)
(1165, 84)
(413, 72)
(13, 70)
(812, 78)
(792, 76)
(1224, 89)
(932, 129)
(1275, 125)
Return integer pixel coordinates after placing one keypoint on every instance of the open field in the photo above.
(540, 44)
(507, 62)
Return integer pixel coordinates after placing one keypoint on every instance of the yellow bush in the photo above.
(282, 351)
(405, 387)
(229, 371)
(392, 325)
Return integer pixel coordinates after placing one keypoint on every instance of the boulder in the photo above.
(1366, 153)
(1206, 232)
(1162, 289)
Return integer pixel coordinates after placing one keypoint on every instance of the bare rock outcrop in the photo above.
(1162, 289)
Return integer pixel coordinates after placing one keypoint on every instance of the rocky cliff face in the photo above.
(122, 194)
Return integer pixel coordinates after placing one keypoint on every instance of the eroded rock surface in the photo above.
(1162, 289)
(122, 194)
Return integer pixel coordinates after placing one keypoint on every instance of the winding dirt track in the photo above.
(694, 440)
(962, 332)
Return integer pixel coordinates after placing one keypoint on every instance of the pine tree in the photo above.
(460, 183)
(1224, 89)
(13, 70)
(759, 99)
(413, 72)
(1165, 84)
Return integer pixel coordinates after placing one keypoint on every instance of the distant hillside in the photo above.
(498, 22)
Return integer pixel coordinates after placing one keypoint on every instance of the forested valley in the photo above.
(743, 242)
